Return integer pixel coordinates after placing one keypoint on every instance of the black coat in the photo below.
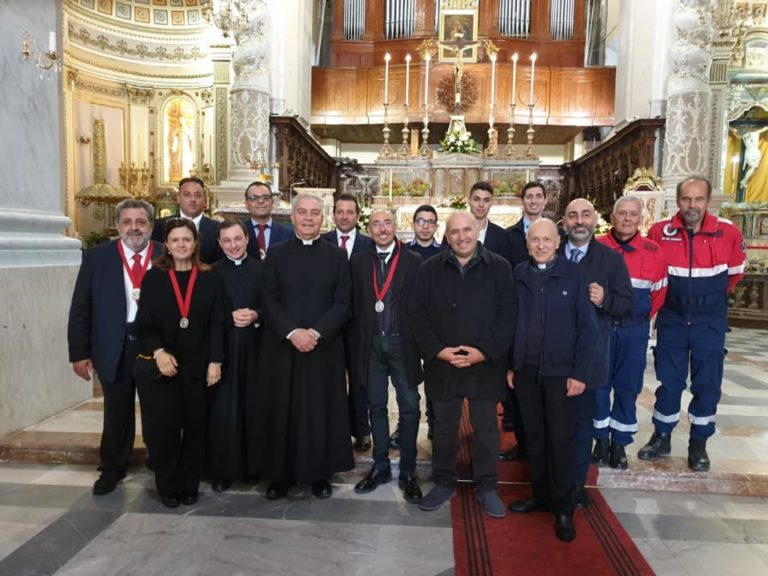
(277, 235)
(606, 267)
(362, 242)
(569, 323)
(207, 233)
(363, 300)
(518, 247)
(474, 309)
(96, 327)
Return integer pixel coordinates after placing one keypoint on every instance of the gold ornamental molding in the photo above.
(459, 4)
(121, 48)
(101, 89)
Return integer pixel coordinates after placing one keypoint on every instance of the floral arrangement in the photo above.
(365, 217)
(455, 202)
(602, 227)
(397, 189)
(459, 141)
(417, 187)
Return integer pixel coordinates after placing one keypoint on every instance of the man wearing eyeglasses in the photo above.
(263, 233)
(424, 228)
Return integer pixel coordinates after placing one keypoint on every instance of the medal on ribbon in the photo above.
(136, 275)
(184, 303)
(380, 294)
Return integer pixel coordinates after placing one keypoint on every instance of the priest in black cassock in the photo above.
(301, 386)
(230, 420)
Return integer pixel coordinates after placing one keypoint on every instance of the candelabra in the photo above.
(405, 149)
(511, 131)
(47, 62)
(529, 152)
(261, 166)
(230, 17)
(386, 149)
(425, 150)
(493, 137)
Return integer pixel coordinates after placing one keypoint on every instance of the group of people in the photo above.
(260, 352)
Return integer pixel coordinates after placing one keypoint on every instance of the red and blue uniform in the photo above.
(629, 338)
(691, 325)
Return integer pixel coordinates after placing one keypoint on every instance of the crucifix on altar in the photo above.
(458, 45)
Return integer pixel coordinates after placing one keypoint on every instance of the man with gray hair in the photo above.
(101, 334)
(301, 385)
(615, 425)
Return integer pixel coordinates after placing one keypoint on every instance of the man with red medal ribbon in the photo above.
(101, 332)
(382, 347)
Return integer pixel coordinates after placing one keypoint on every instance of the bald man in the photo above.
(462, 316)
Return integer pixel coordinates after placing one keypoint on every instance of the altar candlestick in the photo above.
(407, 76)
(514, 79)
(493, 79)
(51, 41)
(533, 75)
(387, 58)
(426, 81)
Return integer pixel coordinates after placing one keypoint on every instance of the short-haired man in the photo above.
(382, 346)
(705, 258)
(463, 317)
(101, 332)
(615, 426)
(192, 202)
(301, 385)
(492, 236)
(554, 343)
(263, 233)
(424, 228)
(346, 213)
(610, 291)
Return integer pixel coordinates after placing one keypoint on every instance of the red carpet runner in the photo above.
(523, 544)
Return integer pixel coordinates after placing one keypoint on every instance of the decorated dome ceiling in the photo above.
(160, 13)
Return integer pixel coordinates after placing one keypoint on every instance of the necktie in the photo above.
(261, 240)
(344, 238)
(383, 256)
(136, 268)
(575, 255)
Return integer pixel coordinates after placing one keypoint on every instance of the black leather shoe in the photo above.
(394, 439)
(564, 528)
(526, 506)
(698, 460)
(107, 482)
(372, 480)
(618, 457)
(580, 498)
(277, 490)
(188, 498)
(169, 501)
(658, 446)
(362, 444)
(513, 454)
(217, 486)
(322, 489)
(600, 452)
(411, 490)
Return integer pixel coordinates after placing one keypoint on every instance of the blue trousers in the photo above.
(627, 348)
(700, 348)
(386, 361)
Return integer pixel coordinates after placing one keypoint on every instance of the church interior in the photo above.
(401, 103)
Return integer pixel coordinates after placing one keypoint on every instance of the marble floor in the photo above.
(683, 523)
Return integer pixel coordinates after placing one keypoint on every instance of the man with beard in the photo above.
(301, 386)
(705, 258)
(263, 233)
(610, 291)
(191, 199)
(102, 335)
(230, 416)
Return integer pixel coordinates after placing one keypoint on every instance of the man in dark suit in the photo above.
(492, 236)
(610, 291)
(101, 334)
(263, 233)
(191, 199)
(346, 213)
(382, 348)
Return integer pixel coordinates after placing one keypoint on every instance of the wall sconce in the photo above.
(47, 62)
(226, 15)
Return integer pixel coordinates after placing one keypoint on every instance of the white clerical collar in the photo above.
(238, 262)
(308, 242)
(196, 220)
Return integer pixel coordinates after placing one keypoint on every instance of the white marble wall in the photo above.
(38, 264)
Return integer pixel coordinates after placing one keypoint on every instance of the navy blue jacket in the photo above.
(208, 237)
(362, 243)
(96, 327)
(277, 234)
(569, 323)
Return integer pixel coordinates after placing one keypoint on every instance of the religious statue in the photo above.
(458, 46)
(650, 214)
(752, 154)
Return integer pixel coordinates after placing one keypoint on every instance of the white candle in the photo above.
(533, 75)
(493, 80)
(514, 78)
(387, 57)
(426, 81)
(51, 41)
(407, 76)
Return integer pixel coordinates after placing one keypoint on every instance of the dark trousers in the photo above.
(357, 401)
(386, 361)
(174, 424)
(512, 416)
(584, 407)
(548, 420)
(119, 427)
(445, 444)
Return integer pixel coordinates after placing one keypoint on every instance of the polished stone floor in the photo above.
(683, 523)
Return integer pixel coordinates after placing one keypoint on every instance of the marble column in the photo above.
(38, 264)
(688, 137)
